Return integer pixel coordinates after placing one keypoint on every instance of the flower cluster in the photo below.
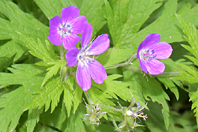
(63, 31)
(130, 116)
(94, 113)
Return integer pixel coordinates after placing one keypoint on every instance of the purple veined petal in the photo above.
(55, 38)
(97, 71)
(70, 41)
(142, 65)
(71, 57)
(78, 24)
(163, 50)
(83, 77)
(155, 67)
(69, 13)
(150, 39)
(86, 36)
(54, 24)
(99, 45)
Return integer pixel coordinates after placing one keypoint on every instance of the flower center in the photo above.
(147, 55)
(64, 29)
(81, 56)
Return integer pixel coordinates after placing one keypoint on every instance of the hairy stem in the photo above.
(122, 64)
(61, 52)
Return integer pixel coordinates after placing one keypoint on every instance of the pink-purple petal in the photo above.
(55, 38)
(163, 50)
(155, 67)
(86, 36)
(70, 41)
(150, 39)
(54, 24)
(97, 71)
(78, 24)
(71, 57)
(69, 13)
(83, 77)
(99, 45)
(142, 66)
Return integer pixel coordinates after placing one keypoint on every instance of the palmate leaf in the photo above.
(13, 103)
(39, 49)
(192, 38)
(50, 94)
(19, 22)
(191, 74)
(87, 8)
(115, 88)
(127, 36)
(14, 52)
(21, 74)
(110, 88)
(53, 70)
(75, 123)
(33, 118)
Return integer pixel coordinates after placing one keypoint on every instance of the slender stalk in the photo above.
(61, 52)
(88, 98)
(122, 64)
(109, 107)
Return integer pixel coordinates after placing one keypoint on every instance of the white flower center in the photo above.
(64, 29)
(147, 55)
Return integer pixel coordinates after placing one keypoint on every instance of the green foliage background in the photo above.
(34, 97)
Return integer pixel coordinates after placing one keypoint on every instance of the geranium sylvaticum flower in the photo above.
(88, 67)
(64, 29)
(150, 50)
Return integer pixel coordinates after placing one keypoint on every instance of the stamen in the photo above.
(64, 29)
(147, 55)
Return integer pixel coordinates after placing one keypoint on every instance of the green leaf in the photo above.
(39, 49)
(78, 92)
(68, 95)
(21, 74)
(192, 38)
(33, 118)
(52, 71)
(13, 103)
(125, 18)
(19, 22)
(178, 123)
(124, 26)
(50, 94)
(98, 96)
(190, 75)
(194, 99)
(115, 88)
(14, 49)
(75, 123)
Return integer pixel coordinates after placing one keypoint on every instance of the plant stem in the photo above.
(122, 64)
(61, 52)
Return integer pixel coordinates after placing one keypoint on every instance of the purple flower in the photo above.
(88, 67)
(149, 50)
(64, 29)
